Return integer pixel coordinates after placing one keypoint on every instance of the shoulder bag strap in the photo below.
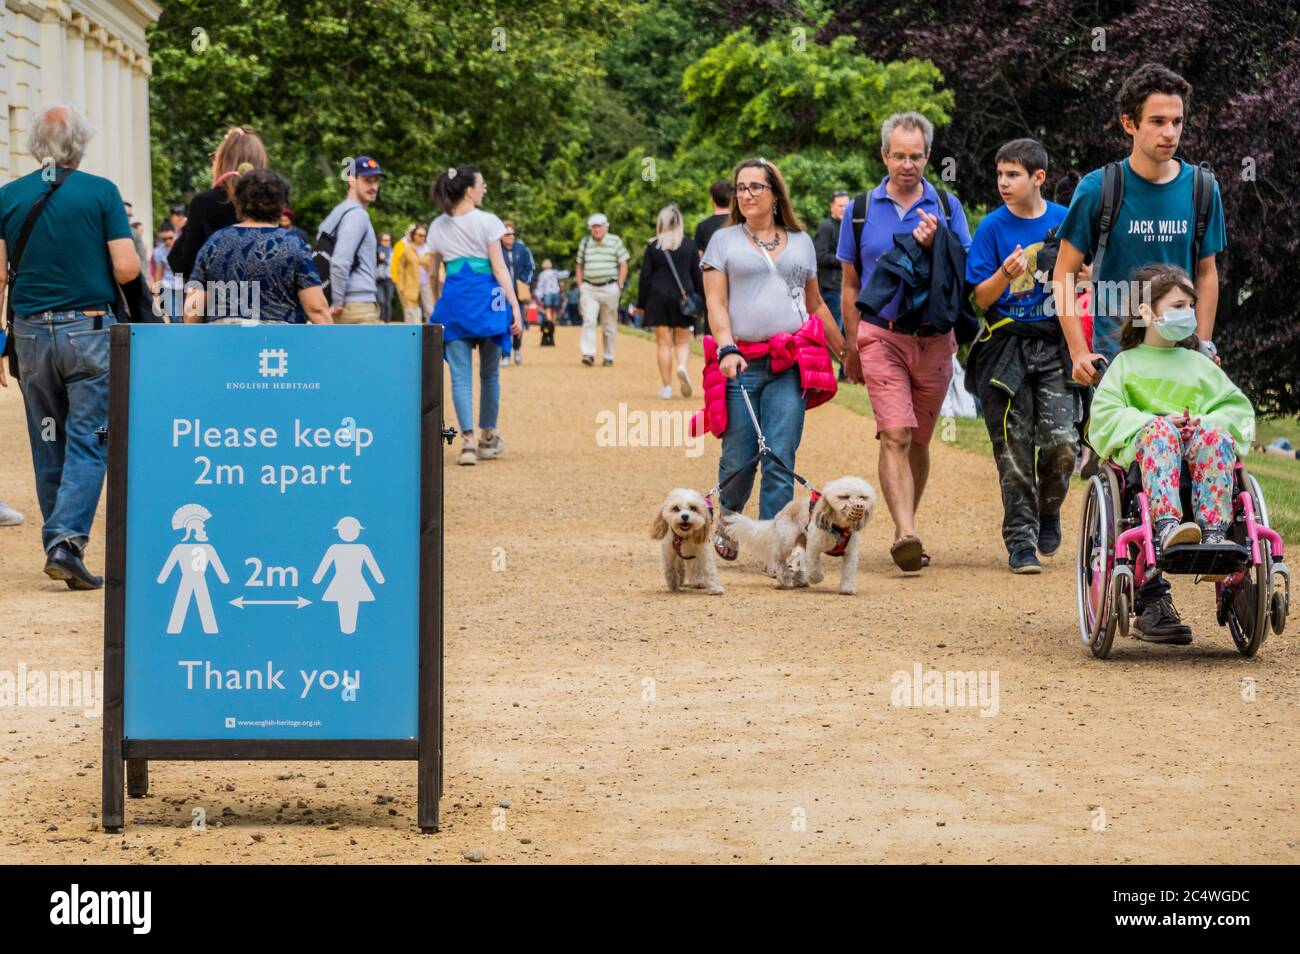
(673, 268)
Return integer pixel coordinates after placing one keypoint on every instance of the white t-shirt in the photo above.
(464, 236)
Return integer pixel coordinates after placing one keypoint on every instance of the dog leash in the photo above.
(763, 451)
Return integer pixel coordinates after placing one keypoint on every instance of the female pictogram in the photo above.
(348, 588)
(193, 558)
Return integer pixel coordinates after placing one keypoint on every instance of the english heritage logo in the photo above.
(273, 363)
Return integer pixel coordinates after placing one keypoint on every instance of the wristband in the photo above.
(726, 350)
(1003, 269)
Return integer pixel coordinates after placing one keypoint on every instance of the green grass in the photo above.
(968, 433)
(1278, 478)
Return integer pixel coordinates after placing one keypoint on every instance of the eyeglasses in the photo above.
(751, 188)
(915, 159)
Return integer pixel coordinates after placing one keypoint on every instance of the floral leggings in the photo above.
(1211, 456)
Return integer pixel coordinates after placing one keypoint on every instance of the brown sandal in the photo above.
(908, 554)
(725, 547)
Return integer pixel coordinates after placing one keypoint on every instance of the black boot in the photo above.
(64, 563)
(1159, 622)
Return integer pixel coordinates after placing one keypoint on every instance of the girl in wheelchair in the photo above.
(1162, 404)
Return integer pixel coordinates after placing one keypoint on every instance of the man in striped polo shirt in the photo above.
(601, 273)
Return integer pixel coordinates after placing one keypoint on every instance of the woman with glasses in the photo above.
(760, 281)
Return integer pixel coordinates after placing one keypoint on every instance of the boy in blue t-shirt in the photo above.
(1019, 366)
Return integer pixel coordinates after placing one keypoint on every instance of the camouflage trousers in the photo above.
(1035, 439)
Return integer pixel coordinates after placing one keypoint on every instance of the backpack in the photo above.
(322, 255)
(1112, 197)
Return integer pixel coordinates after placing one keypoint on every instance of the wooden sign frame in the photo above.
(126, 761)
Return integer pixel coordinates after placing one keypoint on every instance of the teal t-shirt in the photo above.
(66, 265)
(1156, 223)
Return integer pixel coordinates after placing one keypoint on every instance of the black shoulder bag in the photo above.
(15, 256)
(690, 303)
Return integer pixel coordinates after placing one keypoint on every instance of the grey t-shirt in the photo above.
(355, 241)
(761, 303)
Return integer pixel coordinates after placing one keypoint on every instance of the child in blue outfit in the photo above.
(1019, 366)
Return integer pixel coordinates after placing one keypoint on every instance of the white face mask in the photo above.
(1175, 324)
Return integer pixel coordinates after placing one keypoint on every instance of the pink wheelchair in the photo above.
(1116, 553)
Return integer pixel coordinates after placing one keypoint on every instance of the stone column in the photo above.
(76, 87)
(143, 165)
(95, 52)
(53, 65)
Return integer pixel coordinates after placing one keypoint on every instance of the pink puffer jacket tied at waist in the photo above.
(806, 348)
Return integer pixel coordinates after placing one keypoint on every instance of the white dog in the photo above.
(683, 525)
(805, 529)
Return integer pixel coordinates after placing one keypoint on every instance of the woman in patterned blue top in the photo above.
(254, 269)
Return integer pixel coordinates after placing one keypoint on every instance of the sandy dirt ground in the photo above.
(593, 716)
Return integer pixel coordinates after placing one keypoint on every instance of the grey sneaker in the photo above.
(1171, 534)
(468, 452)
(9, 517)
(489, 447)
(685, 380)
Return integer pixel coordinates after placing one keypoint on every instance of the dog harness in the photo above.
(842, 534)
(677, 541)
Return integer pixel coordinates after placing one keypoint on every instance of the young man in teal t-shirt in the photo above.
(1155, 223)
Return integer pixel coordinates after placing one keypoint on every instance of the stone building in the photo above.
(91, 54)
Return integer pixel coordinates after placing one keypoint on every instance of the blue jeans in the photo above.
(833, 303)
(778, 403)
(63, 374)
(460, 358)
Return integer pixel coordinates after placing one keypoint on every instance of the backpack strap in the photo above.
(1203, 203)
(1112, 196)
(945, 203)
(861, 205)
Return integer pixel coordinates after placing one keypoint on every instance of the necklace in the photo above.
(769, 246)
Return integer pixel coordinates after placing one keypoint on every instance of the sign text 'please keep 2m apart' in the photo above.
(273, 533)
(346, 441)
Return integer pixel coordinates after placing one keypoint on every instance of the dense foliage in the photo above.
(625, 105)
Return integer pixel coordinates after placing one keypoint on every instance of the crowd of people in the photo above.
(885, 282)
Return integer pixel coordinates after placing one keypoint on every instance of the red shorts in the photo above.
(907, 377)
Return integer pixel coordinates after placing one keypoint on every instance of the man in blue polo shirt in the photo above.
(906, 372)
(62, 296)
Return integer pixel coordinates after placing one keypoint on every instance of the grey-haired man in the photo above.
(62, 294)
(601, 273)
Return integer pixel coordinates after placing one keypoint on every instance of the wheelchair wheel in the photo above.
(1095, 563)
(1249, 614)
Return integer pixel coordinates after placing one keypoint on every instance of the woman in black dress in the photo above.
(241, 149)
(660, 294)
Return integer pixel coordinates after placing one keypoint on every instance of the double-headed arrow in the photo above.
(299, 602)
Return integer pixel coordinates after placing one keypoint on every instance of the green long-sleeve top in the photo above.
(1147, 382)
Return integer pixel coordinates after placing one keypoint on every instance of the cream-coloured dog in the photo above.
(806, 529)
(687, 555)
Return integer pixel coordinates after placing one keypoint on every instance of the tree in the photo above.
(1052, 71)
(419, 85)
